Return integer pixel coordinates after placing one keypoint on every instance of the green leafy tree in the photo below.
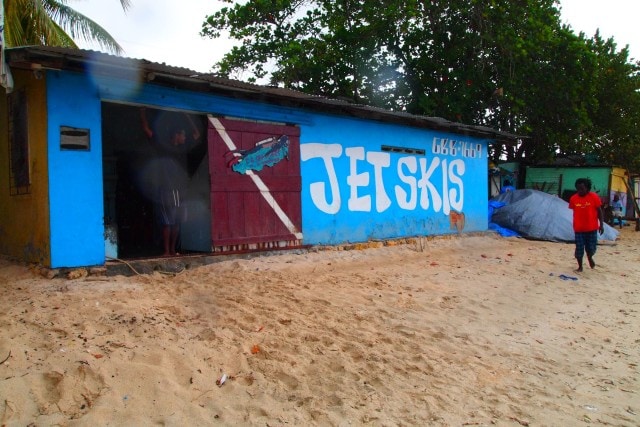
(546, 97)
(509, 65)
(582, 99)
(431, 57)
(322, 50)
(53, 23)
(615, 132)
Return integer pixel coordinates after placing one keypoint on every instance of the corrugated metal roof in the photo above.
(34, 57)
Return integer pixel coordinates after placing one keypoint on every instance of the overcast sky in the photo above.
(168, 30)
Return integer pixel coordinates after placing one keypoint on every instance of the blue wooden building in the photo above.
(265, 167)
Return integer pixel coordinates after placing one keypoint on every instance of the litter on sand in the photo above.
(221, 380)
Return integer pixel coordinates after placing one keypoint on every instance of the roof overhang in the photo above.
(55, 58)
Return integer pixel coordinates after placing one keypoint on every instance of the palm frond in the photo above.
(53, 23)
(80, 27)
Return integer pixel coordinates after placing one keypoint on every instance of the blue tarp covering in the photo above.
(504, 232)
(537, 215)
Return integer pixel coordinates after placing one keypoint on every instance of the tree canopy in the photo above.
(53, 23)
(509, 65)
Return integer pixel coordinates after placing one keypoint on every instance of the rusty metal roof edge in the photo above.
(66, 58)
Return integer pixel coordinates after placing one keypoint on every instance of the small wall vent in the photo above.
(74, 138)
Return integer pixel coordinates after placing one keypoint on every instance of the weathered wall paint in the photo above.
(24, 219)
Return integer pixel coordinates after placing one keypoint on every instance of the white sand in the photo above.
(474, 330)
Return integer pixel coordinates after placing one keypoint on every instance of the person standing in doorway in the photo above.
(588, 220)
(170, 143)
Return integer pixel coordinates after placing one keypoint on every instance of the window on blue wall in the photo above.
(19, 176)
(402, 150)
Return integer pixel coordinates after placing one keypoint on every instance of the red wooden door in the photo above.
(255, 185)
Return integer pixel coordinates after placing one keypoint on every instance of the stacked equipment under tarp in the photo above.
(537, 215)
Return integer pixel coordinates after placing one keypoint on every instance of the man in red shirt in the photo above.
(588, 219)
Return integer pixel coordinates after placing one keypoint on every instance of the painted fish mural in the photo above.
(267, 152)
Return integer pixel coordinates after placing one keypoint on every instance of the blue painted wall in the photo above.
(75, 177)
(352, 190)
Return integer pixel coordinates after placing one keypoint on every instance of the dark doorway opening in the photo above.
(137, 158)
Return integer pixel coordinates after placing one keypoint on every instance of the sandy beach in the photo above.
(470, 330)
